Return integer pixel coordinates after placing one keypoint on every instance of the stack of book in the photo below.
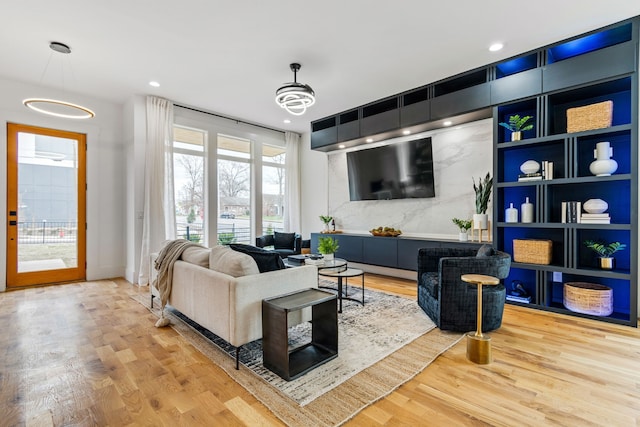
(571, 212)
(595, 218)
(547, 169)
(517, 298)
(537, 176)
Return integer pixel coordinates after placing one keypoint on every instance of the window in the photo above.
(273, 180)
(188, 181)
(234, 190)
(230, 175)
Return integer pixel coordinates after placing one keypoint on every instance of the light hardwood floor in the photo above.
(86, 354)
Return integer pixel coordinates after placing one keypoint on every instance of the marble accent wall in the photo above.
(459, 154)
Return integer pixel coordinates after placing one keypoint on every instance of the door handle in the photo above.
(12, 222)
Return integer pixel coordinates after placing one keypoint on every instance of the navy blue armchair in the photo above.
(283, 243)
(452, 303)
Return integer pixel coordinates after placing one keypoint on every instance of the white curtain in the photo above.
(292, 183)
(159, 208)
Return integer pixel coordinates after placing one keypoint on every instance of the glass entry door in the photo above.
(45, 205)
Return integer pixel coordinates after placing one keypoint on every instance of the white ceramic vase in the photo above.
(328, 257)
(530, 166)
(595, 206)
(604, 165)
(526, 211)
(463, 236)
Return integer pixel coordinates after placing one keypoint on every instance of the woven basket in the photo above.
(594, 116)
(532, 251)
(588, 298)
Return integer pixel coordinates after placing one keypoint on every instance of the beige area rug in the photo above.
(381, 346)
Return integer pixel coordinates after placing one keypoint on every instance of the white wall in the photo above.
(459, 154)
(105, 172)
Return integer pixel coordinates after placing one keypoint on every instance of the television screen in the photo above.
(396, 171)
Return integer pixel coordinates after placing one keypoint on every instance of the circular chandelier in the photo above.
(295, 97)
(55, 107)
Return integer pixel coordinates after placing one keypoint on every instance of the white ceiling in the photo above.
(230, 56)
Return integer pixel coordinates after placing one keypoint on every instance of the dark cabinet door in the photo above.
(462, 101)
(604, 63)
(517, 86)
(381, 251)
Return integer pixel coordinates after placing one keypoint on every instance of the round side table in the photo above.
(478, 345)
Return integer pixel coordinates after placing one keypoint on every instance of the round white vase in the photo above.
(604, 165)
(328, 257)
(530, 166)
(595, 206)
(463, 237)
(526, 211)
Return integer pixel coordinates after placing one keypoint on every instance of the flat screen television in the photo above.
(396, 171)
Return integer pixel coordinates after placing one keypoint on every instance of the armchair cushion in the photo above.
(284, 240)
(431, 282)
(485, 251)
(266, 260)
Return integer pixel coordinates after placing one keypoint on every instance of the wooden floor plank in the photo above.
(87, 354)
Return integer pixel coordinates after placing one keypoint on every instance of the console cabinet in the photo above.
(393, 252)
(579, 78)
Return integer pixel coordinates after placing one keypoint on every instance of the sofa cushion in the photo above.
(284, 240)
(231, 262)
(196, 255)
(266, 260)
(485, 251)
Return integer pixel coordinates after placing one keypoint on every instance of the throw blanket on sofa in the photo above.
(168, 255)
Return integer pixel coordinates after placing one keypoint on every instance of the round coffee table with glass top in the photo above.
(340, 271)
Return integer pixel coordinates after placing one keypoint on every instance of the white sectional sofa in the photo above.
(222, 290)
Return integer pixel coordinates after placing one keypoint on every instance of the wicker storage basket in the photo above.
(588, 298)
(594, 116)
(532, 251)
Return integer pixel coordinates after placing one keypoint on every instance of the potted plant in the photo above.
(464, 225)
(517, 125)
(483, 192)
(605, 252)
(327, 246)
(326, 219)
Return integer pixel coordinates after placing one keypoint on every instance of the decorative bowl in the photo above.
(385, 233)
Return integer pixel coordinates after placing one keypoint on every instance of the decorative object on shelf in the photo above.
(385, 232)
(532, 251)
(464, 225)
(511, 214)
(518, 293)
(483, 192)
(588, 298)
(529, 167)
(594, 116)
(571, 212)
(526, 211)
(547, 169)
(605, 251)
(295, 97)
(604, 165)
(517, 125)
(595, 206)
(326, 220)
(328, 246)
(595, 212)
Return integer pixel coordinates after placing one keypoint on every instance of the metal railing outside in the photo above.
(46, 232)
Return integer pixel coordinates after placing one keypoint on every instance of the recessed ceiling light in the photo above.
(496, 47)
(406, 132)
(287, 121)
(154, 84)
(341, 146)
(447, 123)
(369, 139)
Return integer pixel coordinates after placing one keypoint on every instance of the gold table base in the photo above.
(478, 345)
